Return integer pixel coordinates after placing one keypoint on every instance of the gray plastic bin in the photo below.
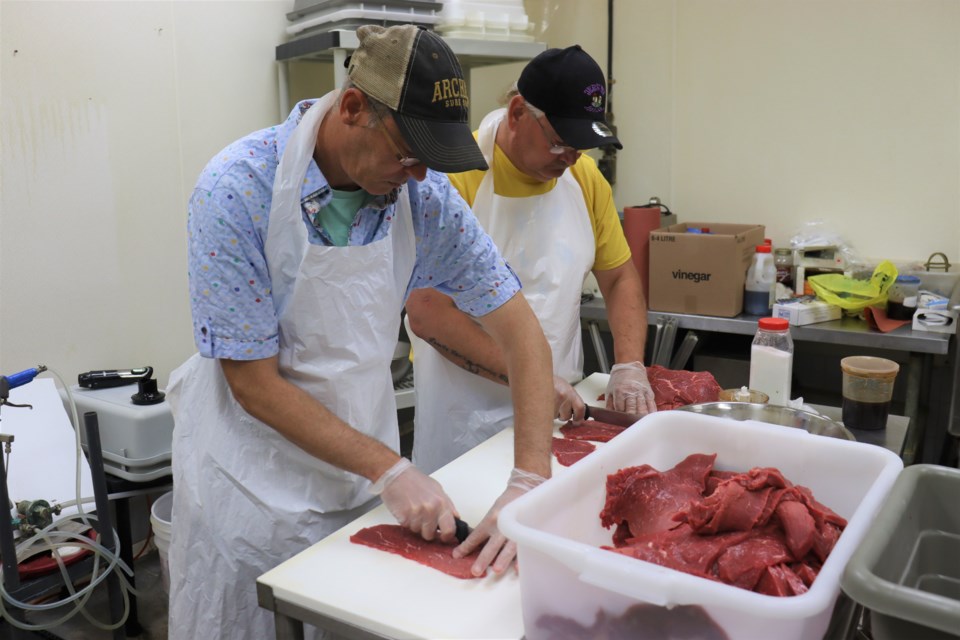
(907, 569)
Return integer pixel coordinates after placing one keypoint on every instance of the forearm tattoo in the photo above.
(466, 363)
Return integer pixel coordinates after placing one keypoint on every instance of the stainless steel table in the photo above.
(920, 347)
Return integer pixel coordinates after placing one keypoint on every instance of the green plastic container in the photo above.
(907, 568)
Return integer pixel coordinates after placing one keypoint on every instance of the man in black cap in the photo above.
(552, 215)
(305, 240)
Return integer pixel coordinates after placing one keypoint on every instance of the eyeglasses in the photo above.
(404, 160)
(556, 148)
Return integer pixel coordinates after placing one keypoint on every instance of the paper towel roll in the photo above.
(638, 222)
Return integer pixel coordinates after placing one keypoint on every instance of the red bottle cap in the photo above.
(774, 324)
(764, 248)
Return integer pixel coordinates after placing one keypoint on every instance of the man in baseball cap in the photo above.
(551, 213)
(414, 73)
(567, 85)
(304, 242)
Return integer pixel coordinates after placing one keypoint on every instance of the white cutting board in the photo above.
(390, 595)
(591, 387)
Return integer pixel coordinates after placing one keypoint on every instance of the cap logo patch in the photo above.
(451, 92)
(595, 92)
(601, 130)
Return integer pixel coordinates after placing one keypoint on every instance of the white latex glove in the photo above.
(417, 501)
(497, 550)
(629, 390)
(570, 405)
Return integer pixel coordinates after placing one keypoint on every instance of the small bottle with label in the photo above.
(759, 288)
(771, 360)
(783, 261)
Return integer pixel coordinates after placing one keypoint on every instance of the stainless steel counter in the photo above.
(920, 348)
(846, 331)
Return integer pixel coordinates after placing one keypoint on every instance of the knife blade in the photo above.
(610, 416)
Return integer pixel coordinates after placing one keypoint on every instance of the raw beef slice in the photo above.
(569, 451)
(591, 430)
(435, 554)
(674, 388)
(642, 500)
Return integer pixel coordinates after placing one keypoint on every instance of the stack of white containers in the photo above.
(489, 20)
(312, 16)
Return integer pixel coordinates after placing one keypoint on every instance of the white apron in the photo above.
(246, 498)
(549, 242)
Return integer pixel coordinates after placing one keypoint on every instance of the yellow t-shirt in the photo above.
(508, 181)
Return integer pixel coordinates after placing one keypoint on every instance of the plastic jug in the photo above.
(758, 290)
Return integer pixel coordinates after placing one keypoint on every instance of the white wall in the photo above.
(769, 111)
(785, 111)
(109, 110)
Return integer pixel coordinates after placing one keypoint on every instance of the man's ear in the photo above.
(353, 105)
(515, 110)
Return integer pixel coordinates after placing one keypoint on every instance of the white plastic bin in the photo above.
(160, 517)
(565, 574)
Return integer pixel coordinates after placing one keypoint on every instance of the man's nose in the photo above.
(571, 156)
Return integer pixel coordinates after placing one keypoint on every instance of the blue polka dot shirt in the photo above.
(234, 316)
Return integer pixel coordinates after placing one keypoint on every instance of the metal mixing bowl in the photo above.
(773, 414)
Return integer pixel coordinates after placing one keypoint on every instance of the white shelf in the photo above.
(335, 45)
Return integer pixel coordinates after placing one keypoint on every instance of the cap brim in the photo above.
(581, 133)
(442, 146)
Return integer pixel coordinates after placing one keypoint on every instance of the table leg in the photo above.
(598, 347)
(915, 366)
(287, 628)
(125, 535)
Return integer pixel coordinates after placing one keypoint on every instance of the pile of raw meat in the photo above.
(754, 530)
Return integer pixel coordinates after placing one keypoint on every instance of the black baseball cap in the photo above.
(413, 72)
(568, 86)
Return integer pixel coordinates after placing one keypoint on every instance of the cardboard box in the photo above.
(568, 578)
(806, 310)
(935, 320)
(701, 273)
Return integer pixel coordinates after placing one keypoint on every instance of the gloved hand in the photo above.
(570, 405)
(629, 390)
(497, 550)
(417, 501)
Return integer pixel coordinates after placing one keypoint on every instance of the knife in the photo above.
(463, 530)
(610, 416)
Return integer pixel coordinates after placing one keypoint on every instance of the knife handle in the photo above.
(463, 530)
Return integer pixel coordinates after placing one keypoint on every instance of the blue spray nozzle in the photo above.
(23, 377)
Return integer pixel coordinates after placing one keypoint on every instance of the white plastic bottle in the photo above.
(771, 360)
(759, 288)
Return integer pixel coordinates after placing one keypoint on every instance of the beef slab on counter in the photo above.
(671, 389)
